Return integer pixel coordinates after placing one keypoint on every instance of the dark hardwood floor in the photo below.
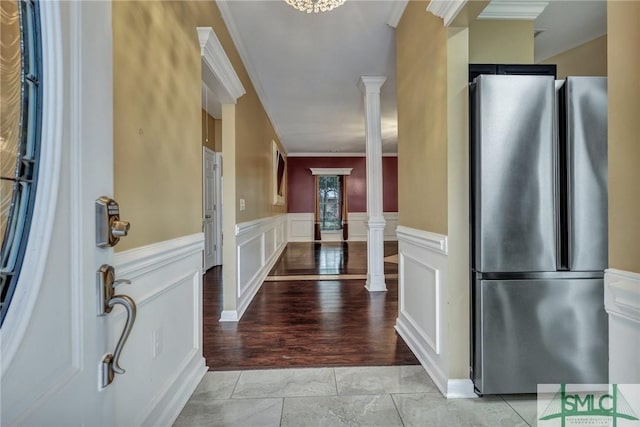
(309, 323)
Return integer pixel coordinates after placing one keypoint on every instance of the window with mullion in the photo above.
(330, 203)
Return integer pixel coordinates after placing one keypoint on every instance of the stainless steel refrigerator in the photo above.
(538, 231)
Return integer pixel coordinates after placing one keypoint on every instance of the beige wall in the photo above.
(624, 134)
(588, 59)
(157, 121)
(458, 201)
(501, 42)
(421, 52)
(208, 131)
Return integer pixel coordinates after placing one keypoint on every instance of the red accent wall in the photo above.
(300, 183)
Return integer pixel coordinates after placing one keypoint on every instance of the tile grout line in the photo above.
(235, 385)
(397, 410)
(514, 410)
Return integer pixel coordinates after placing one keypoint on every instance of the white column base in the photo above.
(375, 255)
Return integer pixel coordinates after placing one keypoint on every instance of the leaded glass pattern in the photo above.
(20, 134)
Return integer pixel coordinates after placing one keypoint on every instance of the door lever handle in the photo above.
(111, 362)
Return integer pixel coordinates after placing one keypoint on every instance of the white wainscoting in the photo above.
(300, 226)
(167, 288)
(622, 302)
(259, 244)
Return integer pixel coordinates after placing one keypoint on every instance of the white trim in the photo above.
(330, 171)
(142, 260)
(461, 389)
(165, 276)
(446, 9)
(513, 9)
(39, 241)
(424, 239)
(248, 227)
(263, 240)
(423, 300)
(397, 10)
(622, 294)
(216, 59)
(412, 337)
(236, 37)
(168, 406)
(229, 316)
(316, 154)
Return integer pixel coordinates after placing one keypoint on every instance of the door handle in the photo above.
(207, 216)
(106, 301)
(111, 362)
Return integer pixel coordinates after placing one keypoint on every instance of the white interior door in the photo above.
(52, 339)
(209, 208)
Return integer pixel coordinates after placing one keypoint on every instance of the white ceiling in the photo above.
(568, 24)
(306, 67)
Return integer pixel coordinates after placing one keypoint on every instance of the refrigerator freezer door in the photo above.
(531, 332)
(514, 166)
(586, 99)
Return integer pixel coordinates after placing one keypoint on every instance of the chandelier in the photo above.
(315, 6)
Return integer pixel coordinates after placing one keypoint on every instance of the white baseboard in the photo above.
(622, 302)
(168, 407)
(411, 337)
(229, 316)
(460, 389)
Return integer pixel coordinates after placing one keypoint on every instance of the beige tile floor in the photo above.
(367, 396)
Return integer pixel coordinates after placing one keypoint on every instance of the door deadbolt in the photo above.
(109, 227)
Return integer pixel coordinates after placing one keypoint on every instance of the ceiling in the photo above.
(306, 67)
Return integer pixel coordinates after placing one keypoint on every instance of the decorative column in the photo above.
(370, 87)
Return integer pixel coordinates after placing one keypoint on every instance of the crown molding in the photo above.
(513, 9)
(216, 59)
(446, 9)
(396, 12)
(330, 171)
(232, 27)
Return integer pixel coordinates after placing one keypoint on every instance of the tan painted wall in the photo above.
(421, 52)
(624, 134)
(458, 202)
(588, 59)
(208, 131)
(501, 42)
(157, 121)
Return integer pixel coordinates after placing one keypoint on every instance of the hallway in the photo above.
(308, 322)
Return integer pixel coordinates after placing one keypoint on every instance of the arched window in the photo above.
(20, 134)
